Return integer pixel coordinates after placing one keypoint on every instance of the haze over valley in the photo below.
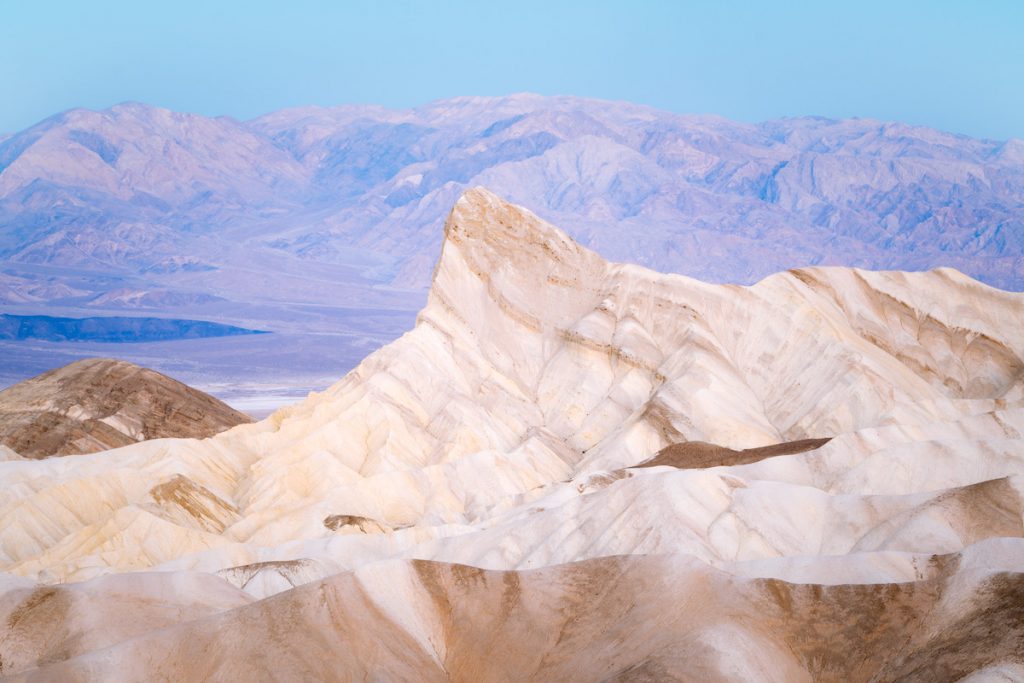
(322, 225)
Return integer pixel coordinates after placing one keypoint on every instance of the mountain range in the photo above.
(323, 224)
(568, 469)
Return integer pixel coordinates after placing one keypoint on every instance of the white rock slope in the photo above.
(503, 432)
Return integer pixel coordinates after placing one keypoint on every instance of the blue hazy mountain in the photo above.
(323, 224)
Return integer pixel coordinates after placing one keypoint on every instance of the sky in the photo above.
(957, 66)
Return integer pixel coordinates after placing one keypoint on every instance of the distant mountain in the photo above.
(97, 404)
(696, 194)
(300, 219)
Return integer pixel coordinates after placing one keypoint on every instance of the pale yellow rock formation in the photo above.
(504, 431)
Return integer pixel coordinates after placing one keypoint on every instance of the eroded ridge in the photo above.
(587, 471)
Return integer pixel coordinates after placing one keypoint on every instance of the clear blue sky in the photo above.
(958, 66)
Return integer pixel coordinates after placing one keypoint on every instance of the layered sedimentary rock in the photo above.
(98, 403)
(515, 489)
(639, 618)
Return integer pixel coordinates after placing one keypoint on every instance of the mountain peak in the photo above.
(509, 254)
(511, 235)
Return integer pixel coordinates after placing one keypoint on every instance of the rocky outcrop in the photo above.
(96, 404)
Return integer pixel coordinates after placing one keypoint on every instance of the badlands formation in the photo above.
(568, 470)
(98, 403)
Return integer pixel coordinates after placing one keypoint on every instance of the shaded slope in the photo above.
(616, 619)
(96, 404)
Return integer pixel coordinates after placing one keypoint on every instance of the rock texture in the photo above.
(98, 403)
(513, 490)
(655, 618)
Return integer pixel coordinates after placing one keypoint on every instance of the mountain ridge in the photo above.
(289, 221)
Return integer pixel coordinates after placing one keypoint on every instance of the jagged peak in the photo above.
(508, 236)
(523, 262)
(478, 212)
